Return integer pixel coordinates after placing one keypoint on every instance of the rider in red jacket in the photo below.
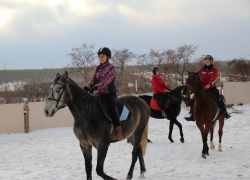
(208, 74)
(159, 87)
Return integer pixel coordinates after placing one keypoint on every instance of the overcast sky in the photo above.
(40, 33)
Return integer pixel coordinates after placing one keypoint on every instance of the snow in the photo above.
(54, 154)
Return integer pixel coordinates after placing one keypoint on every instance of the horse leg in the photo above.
(220, 132)
(135, 154)
(87, 153)
(205, 146)
(101, 155)
(180, 128)
(171, 125)
(142, 164)
(211, 136)
(204, 139)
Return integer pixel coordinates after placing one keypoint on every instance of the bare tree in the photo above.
(82, 61)
(162, 60)
(142, 73)
(181, 60)
(240, 67)
(120, 59)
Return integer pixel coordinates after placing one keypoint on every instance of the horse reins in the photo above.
(195, 83)
(58, 100)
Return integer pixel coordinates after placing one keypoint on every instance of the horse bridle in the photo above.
(59, 98)
(194, 84)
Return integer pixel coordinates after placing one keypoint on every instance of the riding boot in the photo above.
(119, 133)
(190, 116)
(223, 109)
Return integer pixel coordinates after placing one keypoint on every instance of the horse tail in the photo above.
(144, 140)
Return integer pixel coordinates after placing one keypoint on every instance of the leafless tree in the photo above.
(120, 59)
(83, 60)
(181, 60)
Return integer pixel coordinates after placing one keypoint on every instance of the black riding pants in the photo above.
(161, 100)
(215, 92)
(111, 100)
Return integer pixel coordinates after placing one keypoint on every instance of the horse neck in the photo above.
(200, 96)
(176, 94)
(75, 92)
(81, 110)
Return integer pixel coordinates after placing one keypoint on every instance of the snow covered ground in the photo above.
(54, 154)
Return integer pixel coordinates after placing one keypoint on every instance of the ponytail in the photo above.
(97, 68)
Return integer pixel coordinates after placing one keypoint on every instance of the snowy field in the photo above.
(54, 154)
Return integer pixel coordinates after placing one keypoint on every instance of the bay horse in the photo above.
(175, 99)
(92, 130)
(204, 111)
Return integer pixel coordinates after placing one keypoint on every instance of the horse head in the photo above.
(191, 82)
(58, 96)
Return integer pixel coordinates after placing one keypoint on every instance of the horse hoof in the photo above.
(149, 141)
(204, 156)
(170, 139)
(128, 177)
(182, 140)
(142, 175)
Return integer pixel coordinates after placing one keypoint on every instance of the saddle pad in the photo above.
(154, 105)
(124, 113)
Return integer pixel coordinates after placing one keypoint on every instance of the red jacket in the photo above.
(158, 84)
(208, 75)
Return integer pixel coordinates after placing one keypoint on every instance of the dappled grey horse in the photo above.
(92, 130)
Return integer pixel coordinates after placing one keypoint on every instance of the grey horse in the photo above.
(91, 129)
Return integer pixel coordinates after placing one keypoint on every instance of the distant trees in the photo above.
(21, 91)
(239, 67)
(83, 60)
(120, 59)
(33, 85)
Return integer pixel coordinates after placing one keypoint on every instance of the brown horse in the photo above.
(204, 111)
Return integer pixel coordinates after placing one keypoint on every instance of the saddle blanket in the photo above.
(125, 113)
(154, 105)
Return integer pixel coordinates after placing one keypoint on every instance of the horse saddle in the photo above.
(122, 110)
(155, 106)
(216, 103)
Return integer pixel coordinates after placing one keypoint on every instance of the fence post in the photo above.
(26, 117)
(136, 87)
(220, 83)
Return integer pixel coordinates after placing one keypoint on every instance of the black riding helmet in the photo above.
(209, 57)
(154, 69)
(105, 50)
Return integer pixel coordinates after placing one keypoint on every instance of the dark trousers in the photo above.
(111, 100)
(161, 100)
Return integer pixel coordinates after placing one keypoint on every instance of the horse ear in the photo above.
(57, 75)
(188, 72)
(65, 76)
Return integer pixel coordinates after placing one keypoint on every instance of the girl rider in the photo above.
(103, 83)
(208, 74)
(159, 89)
